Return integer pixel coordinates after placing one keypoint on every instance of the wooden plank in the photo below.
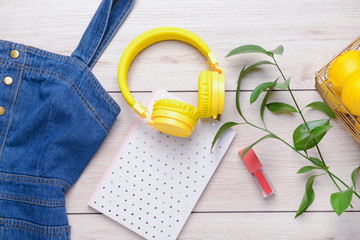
(311, 32)
(232, 188)
(310, 226)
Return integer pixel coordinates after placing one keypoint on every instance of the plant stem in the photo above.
(306, 157)
(282, 140)
(343, 183)
(302, 116)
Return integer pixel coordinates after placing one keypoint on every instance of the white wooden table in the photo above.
(231, 207)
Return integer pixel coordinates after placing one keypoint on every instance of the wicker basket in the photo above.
(334, 102)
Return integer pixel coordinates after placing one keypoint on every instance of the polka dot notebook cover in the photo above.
(155, 180)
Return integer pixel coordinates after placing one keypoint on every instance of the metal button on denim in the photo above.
(14, 54)
(2, 110)
(8, 80)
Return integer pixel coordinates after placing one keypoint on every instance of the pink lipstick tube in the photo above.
(256, 169)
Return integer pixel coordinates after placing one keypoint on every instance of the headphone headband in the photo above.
(148, 38)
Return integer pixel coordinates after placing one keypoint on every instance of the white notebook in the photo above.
(155, 179)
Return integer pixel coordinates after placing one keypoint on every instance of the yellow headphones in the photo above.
(171, 116)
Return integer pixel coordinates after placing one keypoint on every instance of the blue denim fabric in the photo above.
(57, 116)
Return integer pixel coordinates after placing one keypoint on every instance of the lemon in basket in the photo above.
(350, 95)
(342, 69)
(333, 97)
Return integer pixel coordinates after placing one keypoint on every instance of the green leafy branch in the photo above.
(306, 136)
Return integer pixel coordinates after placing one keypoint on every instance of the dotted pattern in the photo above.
(157, 179)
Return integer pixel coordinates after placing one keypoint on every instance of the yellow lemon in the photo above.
(342, 68)
(350, 95)
(334, 99)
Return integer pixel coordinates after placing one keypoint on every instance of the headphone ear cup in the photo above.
(205, 93)
(174, 117)
(218, 93)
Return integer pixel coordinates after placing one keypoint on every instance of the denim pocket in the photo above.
(13, 229)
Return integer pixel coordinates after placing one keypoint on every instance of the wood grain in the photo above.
(231, 207)
(311, 33)
(214, 226)
(232, 188)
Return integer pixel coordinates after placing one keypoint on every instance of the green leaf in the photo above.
(242, 74)
(322, 107)
(302, 134)
(340, 201)
(253, 144)
(284, 85)
(245, 70)
(251, 67)
(258, 90)
(248, 49)
(237, 95)
(308, 197)
(221, 130)
(354, 176)
(317, 162)
(279, 50)
(263, 103)
(280, 107)
(316, 132)
(307, 169)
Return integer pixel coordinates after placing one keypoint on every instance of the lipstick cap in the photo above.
(251, 161)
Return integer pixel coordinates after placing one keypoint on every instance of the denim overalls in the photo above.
(54, 115)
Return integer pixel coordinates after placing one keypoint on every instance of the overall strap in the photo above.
(102, 28)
